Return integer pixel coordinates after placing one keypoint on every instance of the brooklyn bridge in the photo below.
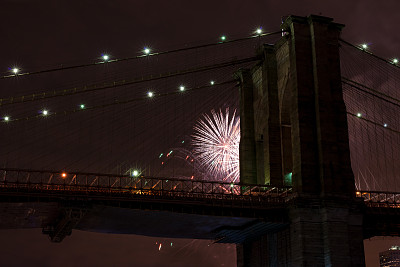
(313, 173)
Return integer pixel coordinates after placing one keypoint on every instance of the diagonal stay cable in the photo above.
(370, 91)
(98, 87)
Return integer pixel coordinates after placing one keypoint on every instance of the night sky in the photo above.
(49, 34)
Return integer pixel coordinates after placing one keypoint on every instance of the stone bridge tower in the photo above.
(294, 132)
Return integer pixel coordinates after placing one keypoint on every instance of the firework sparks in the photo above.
(216, 145)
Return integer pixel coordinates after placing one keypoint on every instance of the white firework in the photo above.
(216, 144)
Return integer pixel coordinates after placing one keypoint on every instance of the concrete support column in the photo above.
(325, 230)
(327, 233)
(272, 132)
(301, 82)
(306, 243)
(331, 119)
(247, 146)
(321, 157)
(302, 113)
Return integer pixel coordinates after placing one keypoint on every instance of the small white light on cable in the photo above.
(146, 50)
(82, 106)
(385, 125)
(223, 38)
(135, 173)
(6, 118)
(212, 82)
(182, 88)
(15, 70)
(45, 112)
(359, 115)
(395, 61)
(259, 31)
(150, 94)
(106, 57)
(364, 46)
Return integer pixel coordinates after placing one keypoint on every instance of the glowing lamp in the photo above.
(359, 115)
(15, 70)
(364, 46)
(259, 31)
(45, 112)
(106, 57)
(82, 106)
(150, 94)
(6, 118)
(146, 50)
(212, 82)
(64, 175)
(182, 88)
(223, 38)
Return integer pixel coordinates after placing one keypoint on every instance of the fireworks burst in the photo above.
(216, 145)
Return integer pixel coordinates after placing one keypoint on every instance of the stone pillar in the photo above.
(301, 93)
(321, 157)
(326, 228)
(247, 146)
(272, 132)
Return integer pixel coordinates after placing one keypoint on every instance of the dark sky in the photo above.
(54, 32)
(42, 34)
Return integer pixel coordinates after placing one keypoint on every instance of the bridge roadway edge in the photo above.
(254, 228)
(143, 215)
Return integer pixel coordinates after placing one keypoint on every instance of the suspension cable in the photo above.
(114, 84)
(118, 102)
(141, 56)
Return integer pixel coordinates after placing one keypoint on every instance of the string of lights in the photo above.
(114, 84)
(103, 136)
(359, 115)
(47, 113)
(375, 94)
(364, 48)
(16, 71)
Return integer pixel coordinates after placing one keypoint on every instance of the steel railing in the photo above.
(380, 199)
(117, 185)
(123, 185)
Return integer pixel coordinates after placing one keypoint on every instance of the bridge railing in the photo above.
(118, 185)
(50, 181)
(380, 199)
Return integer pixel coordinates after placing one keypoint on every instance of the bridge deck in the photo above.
(164, 207)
